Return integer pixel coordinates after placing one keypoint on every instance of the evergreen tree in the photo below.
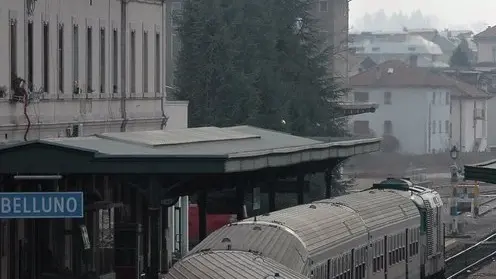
(460, 57)
(256, 62)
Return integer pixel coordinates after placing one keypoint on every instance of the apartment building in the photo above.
(89, 66)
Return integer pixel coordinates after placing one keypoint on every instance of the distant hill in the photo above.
(380, 21)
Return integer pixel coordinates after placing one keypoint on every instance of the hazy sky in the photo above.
(449, 12)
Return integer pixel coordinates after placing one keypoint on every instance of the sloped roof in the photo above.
(397, 74)
(490, 32)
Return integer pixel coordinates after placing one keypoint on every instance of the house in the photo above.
(423, 110)
(382, 47)
(358, 64)
(92, 64)
(486, 45)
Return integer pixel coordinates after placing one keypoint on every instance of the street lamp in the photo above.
(454, 167)
(454, 152)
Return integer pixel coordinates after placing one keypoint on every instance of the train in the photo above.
(391, 230)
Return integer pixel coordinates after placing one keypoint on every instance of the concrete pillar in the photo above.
(328, 183)
(155, 228)
(272, 194)
(184, 225)
(240, 202)
(202, 215)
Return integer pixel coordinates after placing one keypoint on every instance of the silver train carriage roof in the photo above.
(294, 235)
(228, 265)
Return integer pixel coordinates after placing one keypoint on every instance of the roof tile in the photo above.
(395, 73)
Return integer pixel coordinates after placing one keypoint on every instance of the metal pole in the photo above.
(123, 63)
(184, 225)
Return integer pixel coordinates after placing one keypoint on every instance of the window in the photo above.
(440, 124)
(448, 101)
(387, 98)
(115, 63)
(132, 64)
(361, 127)
(46, 56)
(446, 126)
(361, 97)
(30, 55)
(388, 127)
(434, 98)
(75, 59)
(145, 62)
(323, 6)
(102, 60)
(433, 126)
(412, 48)
(13, 51)
(157, 63)
(376, 49)
(61, 57)
(89, 59)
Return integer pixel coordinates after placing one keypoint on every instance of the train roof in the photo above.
(292, 235)
(230, 264)
(378, 208)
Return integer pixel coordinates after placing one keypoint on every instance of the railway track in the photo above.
(471, 258)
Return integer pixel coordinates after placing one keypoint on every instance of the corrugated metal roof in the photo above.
(378, 208)
(292, 235)
(269, 240)
(229, 265)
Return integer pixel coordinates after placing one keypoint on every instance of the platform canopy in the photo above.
(484, 172)
(205, 150)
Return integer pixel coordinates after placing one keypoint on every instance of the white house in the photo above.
(424, 110)
(95, 65)
(382, 47)
(486, 49)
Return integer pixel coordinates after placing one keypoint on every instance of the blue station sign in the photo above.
(41, 205)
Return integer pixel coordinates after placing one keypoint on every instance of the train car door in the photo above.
(386, 254)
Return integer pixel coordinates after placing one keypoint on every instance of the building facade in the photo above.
(333, 16)
(486, 48)
(421, 111)
(90, 66)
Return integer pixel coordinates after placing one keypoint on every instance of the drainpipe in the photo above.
(163, 123)
(123, 63)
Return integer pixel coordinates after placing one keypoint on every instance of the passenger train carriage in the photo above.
(392, 230)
